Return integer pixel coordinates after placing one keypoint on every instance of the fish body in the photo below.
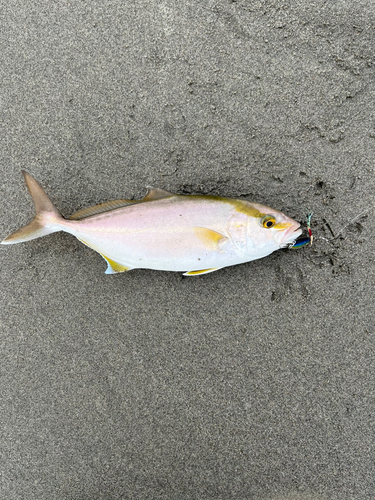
(194, 234)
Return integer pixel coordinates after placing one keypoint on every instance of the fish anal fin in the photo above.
(210, 238)
(101, 208)
(114, 267)
(156, 194)
(202, 271)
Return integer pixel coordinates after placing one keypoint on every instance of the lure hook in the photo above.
(302, 241)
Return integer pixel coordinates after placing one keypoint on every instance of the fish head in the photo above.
(272, 228)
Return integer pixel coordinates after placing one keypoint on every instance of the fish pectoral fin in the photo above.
(202, 271)
(156, 194)
(114, 267)
(101, 208)
(210, 238)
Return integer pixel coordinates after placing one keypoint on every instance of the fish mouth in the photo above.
(291, 235)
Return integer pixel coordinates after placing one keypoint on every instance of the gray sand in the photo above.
(255, 382)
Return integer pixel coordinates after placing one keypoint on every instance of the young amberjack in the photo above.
(195, 234)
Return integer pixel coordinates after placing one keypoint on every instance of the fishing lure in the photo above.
(194, 234)
(304, 240)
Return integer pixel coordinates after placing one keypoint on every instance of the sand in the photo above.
(253, 382)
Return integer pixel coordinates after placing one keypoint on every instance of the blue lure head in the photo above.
(300, 242)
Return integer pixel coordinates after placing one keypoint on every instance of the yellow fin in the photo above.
(209, 237)
(203, 271)
(102, 207)
(114, 267)
(156, 194)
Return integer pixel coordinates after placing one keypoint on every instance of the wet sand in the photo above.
(253, 382)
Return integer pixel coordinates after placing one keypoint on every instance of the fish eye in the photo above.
(268, 221)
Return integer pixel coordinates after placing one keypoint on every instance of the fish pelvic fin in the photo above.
(46, 221)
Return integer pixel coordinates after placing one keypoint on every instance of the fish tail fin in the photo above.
(46, 221)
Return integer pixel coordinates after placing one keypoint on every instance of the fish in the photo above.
(192, 234)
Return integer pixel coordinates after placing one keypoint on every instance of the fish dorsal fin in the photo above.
(202, 271)
(210, 238)
(102, 207)
(156, 194)
(152, 195)
(114, 267)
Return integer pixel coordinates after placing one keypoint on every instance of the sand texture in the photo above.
(255, 382)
